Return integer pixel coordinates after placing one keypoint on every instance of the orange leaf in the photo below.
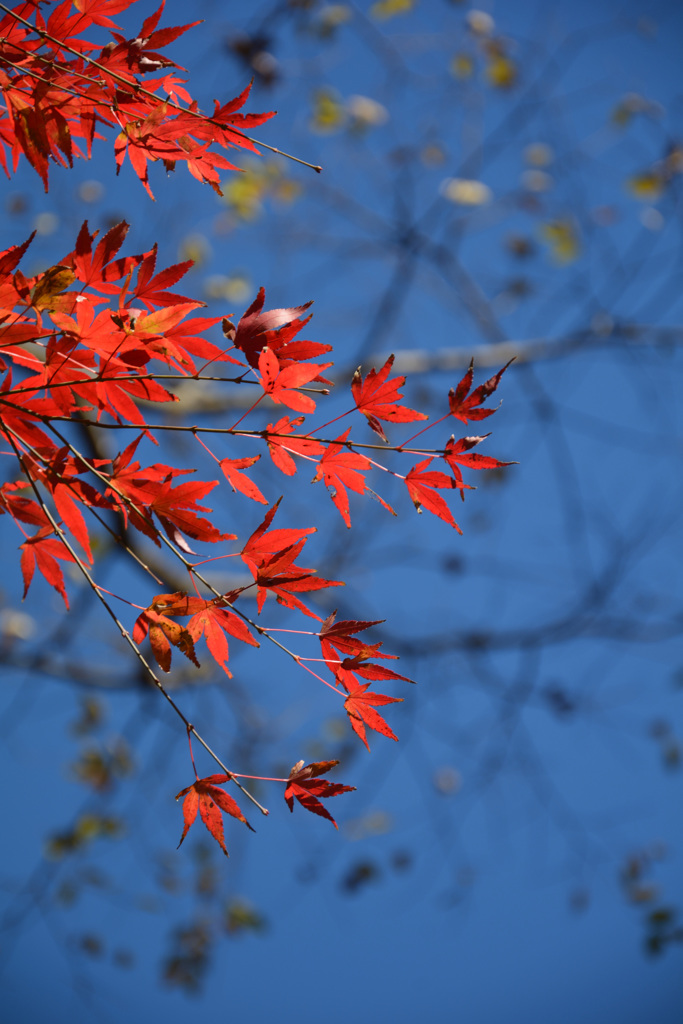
(162, 633)
(205, 796)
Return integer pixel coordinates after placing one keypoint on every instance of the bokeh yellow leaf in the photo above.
(563, 240)
(385, 9)
(328, 113)
(501, 72)
(647, 187)
(246, 193)
(461, 65)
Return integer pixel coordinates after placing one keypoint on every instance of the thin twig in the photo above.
(262, 434)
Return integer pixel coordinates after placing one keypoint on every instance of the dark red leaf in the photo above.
(304, 785)
(468, 408)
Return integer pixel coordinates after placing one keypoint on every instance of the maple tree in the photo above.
(467, 276)
(99, 338)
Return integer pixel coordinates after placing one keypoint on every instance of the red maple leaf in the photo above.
(227, 114)
(367, 670)
(151, 289)
(185, 335)
(11, 258)
(60, 475)
(100, 269)
(306, 787)
(340, 469)
(264, 542)
(21, 421)
(457, 454)
(468, 408)
(65, 500)
(376, 398)
(270, 556)
(280, 447)
(176, 506)
(144, 140)
(161, 335)
(202, 162)
(360, 707)
(205, 796)
(24, 509)
(337, 638)
(119, 399)
(55, 371)
(98, 11)
(421, 486)
(212, 622)
(280, 384)
(42, 550)
(284, 579)
(240, 481)
(102, 333)
(272, 327)
(140, 486)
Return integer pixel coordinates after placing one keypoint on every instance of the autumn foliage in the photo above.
(101, 338)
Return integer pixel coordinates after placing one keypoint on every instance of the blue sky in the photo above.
(499, 898)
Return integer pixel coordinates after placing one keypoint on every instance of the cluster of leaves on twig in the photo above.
(58, 95)
(97, 337)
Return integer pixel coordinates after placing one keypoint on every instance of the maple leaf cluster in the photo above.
(304, 784)
(60, 89)
(97, 339)
(84, 339)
